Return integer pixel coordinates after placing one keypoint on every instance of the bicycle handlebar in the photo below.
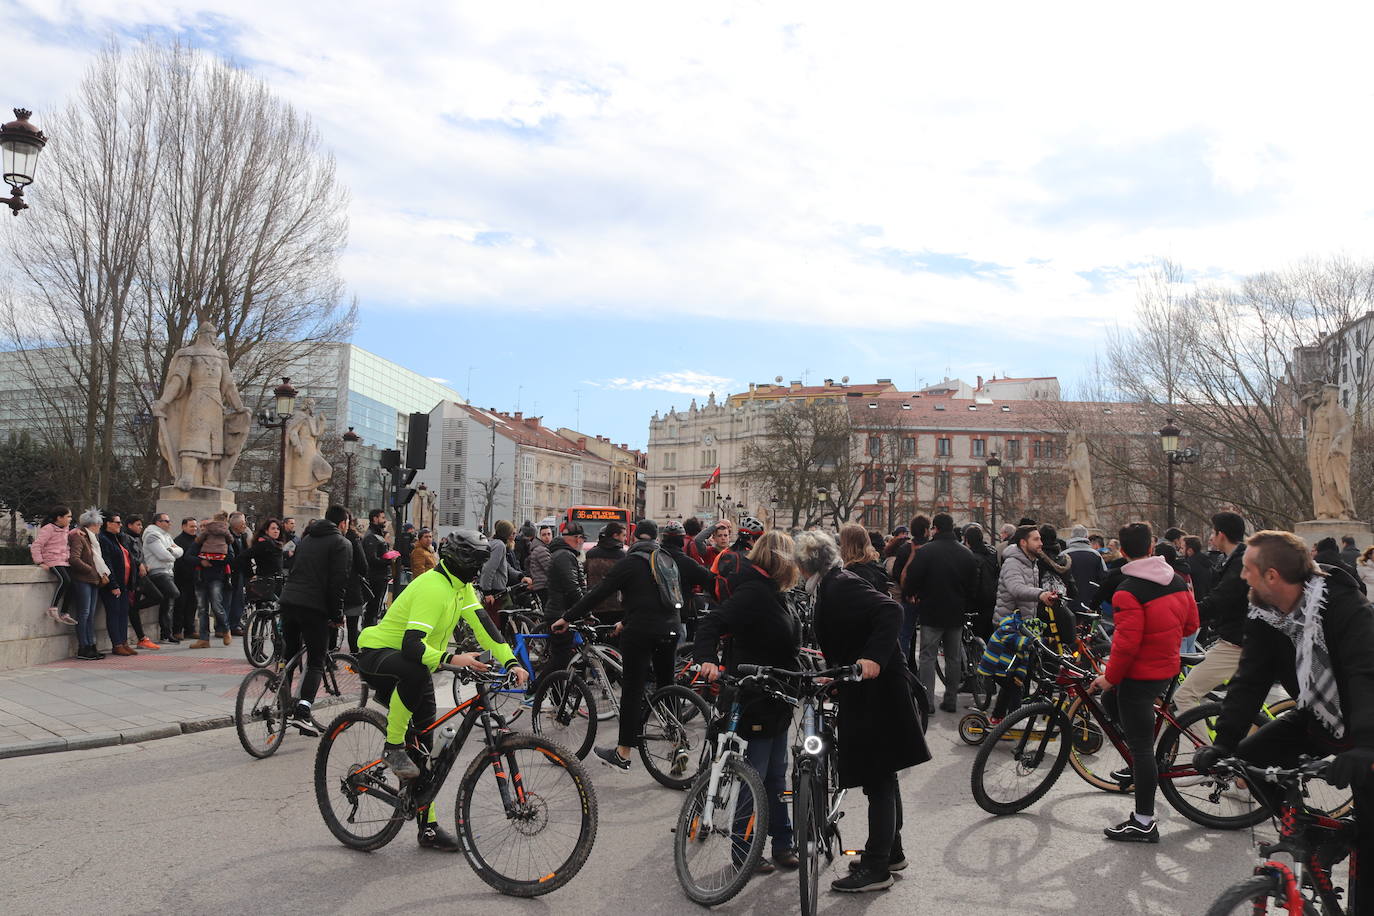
(492, 675)
(843, 673)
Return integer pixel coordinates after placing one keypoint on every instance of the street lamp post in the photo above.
(286, 405)
(890, 482)
(822, 497)
(1168, 438)
(20, 144)
(773, 505)
(350, 450)
(994, 465)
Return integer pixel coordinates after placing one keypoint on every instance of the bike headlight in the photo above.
(813, 745)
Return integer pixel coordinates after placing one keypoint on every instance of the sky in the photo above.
(596, 211)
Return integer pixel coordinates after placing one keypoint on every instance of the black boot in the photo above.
(432, 836)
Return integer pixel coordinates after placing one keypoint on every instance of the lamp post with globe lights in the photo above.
(20, 144)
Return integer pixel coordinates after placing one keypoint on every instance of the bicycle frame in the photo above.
(728, 743)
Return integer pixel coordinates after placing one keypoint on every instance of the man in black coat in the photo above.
(184, 575)
(567, 583)
(312, 600)
(879, 731)
(1332, 679)
(942, 580)
(375, 546)
(1225, 609)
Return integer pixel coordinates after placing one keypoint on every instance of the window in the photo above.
(908, 481)
(875, 446)
(942, 481)
(669, 496)
(977, 482)
(909, 446)
(980, 448)
(706, 499)
(1014, 449)
(1035, 448)
(527, 465)
(942, 448)
(670, 461)
(708, 458)
(1011, 483)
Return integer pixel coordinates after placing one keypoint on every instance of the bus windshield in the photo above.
(595, 518)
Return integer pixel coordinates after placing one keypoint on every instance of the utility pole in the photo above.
(490, 488)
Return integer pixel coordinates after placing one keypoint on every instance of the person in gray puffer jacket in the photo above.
(1018, 584)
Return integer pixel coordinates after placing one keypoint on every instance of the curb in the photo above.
(132, 736)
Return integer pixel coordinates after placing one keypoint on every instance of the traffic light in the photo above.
(402, 493)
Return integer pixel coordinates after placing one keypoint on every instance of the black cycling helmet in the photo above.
(463, 553)
(750, 525)
(671, 528)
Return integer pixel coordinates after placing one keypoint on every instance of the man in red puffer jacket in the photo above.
(1154, 610)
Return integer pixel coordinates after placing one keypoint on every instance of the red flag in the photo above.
(712, 480)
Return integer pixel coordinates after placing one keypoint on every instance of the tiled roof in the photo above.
(528, 431)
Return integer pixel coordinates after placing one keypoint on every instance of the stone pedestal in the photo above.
(1316, 529)
(306, 512)
(197, 503)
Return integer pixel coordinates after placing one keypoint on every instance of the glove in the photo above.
(1351, 767)
(1205, 758)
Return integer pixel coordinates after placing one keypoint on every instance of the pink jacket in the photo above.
(50, 546)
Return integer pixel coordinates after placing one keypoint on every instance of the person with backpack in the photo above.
(732, 561)
(651, 595)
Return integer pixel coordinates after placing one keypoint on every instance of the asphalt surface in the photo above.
(192, 824)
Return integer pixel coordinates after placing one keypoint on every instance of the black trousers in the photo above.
(1132, 704)
(303, 625)
(639, 652)
(373, 610)
(884, 822)
(387, 670)
(1280, 743)
(168, 593)
(184, 610)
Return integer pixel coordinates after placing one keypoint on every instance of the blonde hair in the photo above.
(772, 553)
(855, 545)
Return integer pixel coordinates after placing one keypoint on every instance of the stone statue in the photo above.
(1328, 454)
(306, 468)
(1079, 504)
(202, 423)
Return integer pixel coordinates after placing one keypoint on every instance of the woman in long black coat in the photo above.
(879, 732)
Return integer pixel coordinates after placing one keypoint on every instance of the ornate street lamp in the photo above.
(822, 497)
(773, 505)
(286, 405)
(994, 465)
(890, 483)
(20, 144)
(350, 450)
(1168, 439)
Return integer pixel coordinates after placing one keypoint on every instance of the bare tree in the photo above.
(806, 446)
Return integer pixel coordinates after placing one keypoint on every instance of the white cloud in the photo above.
(723, 159)
(697, 384)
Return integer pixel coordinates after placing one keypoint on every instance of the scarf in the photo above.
(1304, 627)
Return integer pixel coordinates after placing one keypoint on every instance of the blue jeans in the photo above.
(83, 608)
(210, 596)
(769, 757)
(116, 615)
(1189, 644)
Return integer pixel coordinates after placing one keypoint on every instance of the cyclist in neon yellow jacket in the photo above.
(400, 653)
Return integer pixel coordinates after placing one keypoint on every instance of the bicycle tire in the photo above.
(1202, 798)
(980, 685)
(973, 728)
(806, 820)
(259, 713)
(1255, 895)
(1092, 756)
(496, 842)
(673, 735)
(342, 682)
(712, 886)
(564, 712)
(350, 747)
(259, 639)
(1034, 732)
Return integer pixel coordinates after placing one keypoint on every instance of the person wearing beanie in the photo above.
(608, 550)
(646, 528)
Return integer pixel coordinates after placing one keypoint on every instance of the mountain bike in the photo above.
(723, 824)
(979, 685)
(569, 704)
(267, 695)
(815, 799)
(526, 810)
(262, 638)
(1315, 840)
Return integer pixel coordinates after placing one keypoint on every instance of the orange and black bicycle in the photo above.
(526, 809)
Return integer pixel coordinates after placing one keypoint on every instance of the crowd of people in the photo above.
(202, 578)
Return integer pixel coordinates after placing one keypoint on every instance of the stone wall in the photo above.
(28, 636)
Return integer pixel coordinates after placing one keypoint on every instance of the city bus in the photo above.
(594, 518)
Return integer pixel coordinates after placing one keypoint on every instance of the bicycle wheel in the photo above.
(1216, 801)
(979, 685)
(351, 781)
(1021, 758)
(1255, 895)
(259, 714)
(594, 675)
(540, 841)
(260, 639)
(714, 858)
(674, 733)
(1092, 754)
(343, 683)
(564, 712)
(807, 821)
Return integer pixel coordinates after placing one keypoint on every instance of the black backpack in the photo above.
(666, 577)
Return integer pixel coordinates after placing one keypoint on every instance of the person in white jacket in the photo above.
(159, 553)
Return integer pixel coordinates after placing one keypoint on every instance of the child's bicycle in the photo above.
(1315, 840)
(526, 810)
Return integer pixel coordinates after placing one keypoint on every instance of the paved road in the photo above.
(191, 824)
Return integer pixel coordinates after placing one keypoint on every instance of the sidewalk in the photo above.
(70, 705)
